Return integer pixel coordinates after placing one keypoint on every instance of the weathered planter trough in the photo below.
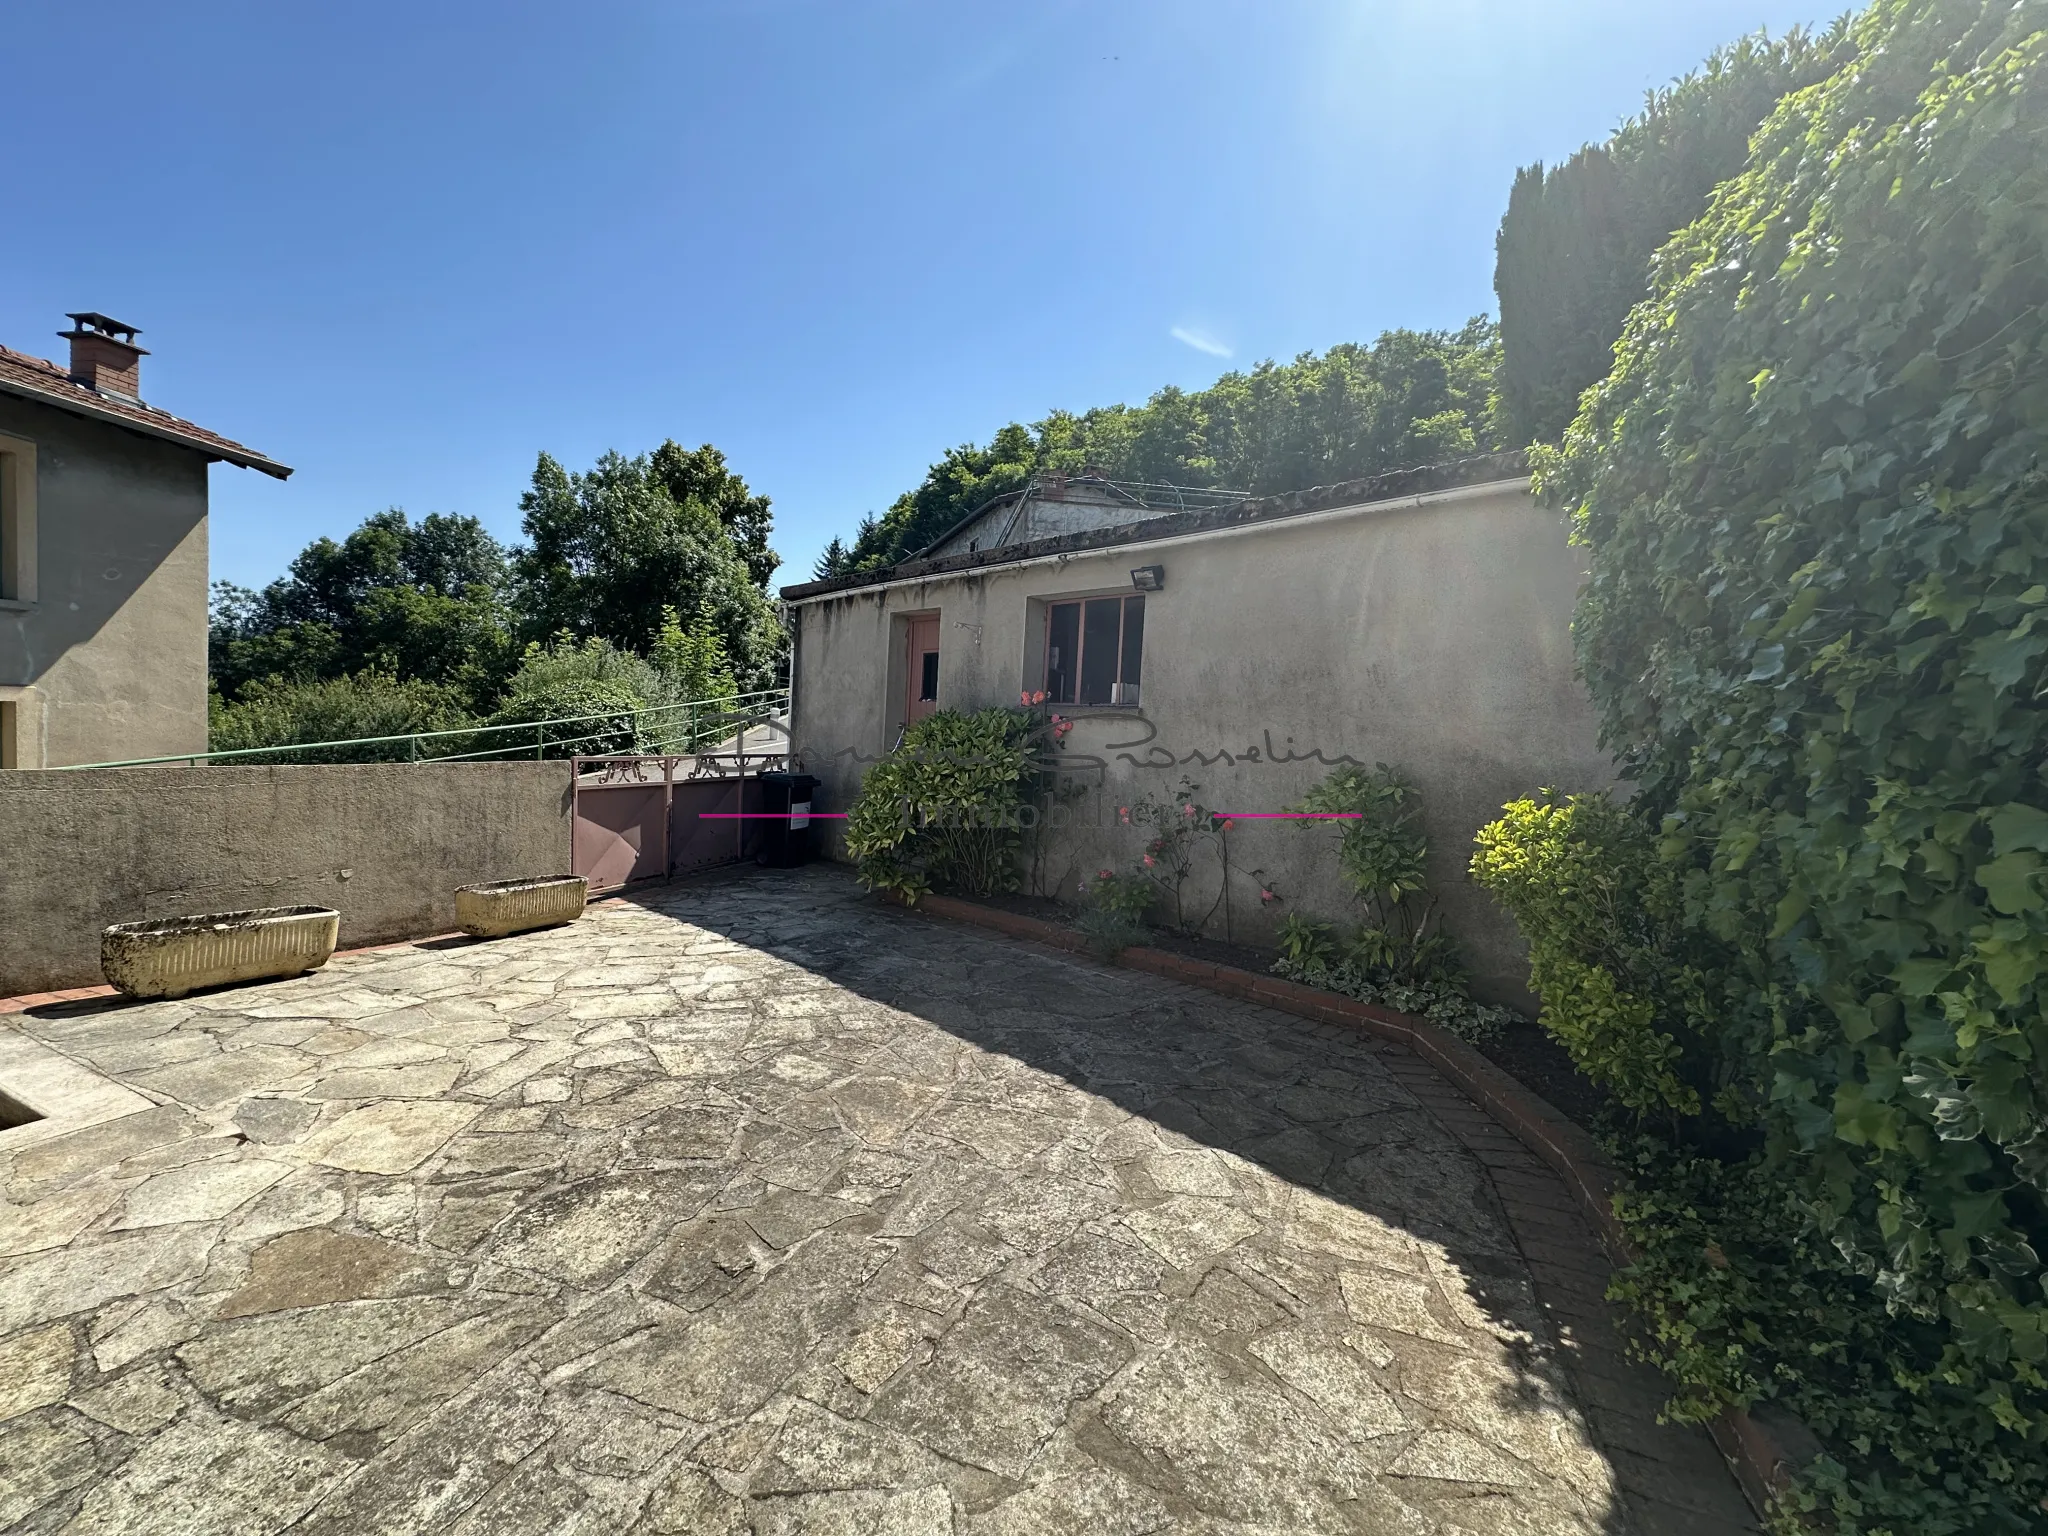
(168, 957)
(499, 907)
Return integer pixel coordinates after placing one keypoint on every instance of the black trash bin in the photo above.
(787, 836)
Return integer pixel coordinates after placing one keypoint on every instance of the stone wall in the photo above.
(1431, 632)
(384, 844)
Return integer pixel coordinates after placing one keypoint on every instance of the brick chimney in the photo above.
(104, 356)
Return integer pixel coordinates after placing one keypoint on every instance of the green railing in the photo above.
(660, 730)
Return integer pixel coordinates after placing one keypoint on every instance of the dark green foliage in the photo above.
(612, 547)
(616, 555)
(1573, 253)
(1814, 494)
(951, 805)
(1399, 954)
(1414, 397)
(278, 711)
(421, 601)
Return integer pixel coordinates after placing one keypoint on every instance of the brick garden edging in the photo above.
(1760, 1465)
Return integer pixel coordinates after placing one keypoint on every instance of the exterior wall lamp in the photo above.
(1149, 578)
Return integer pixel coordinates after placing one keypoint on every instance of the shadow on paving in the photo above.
(1323, 1116)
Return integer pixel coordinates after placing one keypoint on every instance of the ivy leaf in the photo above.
(1768, 662)
(1920, 978)
(2009, 881)
(2018, 826)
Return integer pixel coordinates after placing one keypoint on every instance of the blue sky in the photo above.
(404, 247)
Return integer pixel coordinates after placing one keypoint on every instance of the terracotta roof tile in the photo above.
(35, 379)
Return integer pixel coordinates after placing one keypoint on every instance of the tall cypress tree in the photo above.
(1573, 253)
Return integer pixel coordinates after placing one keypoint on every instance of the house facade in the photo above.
(1419, 619)
(103, 560)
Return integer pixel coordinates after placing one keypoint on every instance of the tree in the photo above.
(1573, 253)
(1412, 398)
(612, 547)
(418, 601)
(832, 562)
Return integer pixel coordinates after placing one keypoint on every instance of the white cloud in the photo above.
(1201, 341)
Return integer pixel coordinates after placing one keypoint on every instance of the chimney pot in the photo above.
(104, 356)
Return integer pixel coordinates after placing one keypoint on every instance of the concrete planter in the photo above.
(171, 956)
(492, 910)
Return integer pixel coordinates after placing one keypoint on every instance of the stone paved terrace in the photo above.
(752, 1205)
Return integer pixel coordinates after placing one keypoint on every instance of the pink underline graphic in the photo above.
(1218, 815)
(770, 815)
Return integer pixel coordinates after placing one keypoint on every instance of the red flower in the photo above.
(1267, 896)
(1123, 814)
(1224, 825)
(1150, 861)
(1102, 874)
(1038, 697)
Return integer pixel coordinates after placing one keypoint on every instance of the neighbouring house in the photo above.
(103, 575)
(1420, 619)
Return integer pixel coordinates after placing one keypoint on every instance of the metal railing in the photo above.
(661, 730)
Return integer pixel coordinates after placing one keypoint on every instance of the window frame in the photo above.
(1077, 670)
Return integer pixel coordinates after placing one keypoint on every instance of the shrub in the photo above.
(1381, 851)
(275, 712)
(601, 688)
(1397, 957)
(951, 805)
(1814, 494)
(1581, 878)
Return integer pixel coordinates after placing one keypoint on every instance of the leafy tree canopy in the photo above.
(612, 547)
(1413, 397)
(615, 555)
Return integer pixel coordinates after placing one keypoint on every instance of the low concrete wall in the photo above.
(384, 844)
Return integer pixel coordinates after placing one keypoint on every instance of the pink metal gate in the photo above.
(644, 818)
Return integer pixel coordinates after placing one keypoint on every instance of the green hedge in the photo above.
(1814, 495)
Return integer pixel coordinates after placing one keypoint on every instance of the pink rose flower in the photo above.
(1267, 896)
(1150, 861)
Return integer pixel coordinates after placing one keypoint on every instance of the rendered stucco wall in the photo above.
(115, 641)
(385, 844)
(1433, 636)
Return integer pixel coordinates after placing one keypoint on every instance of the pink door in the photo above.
(921, 675)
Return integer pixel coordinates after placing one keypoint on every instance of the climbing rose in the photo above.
(1102, 874)
(1150, 861)
(1265, 895)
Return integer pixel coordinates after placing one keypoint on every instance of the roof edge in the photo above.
(1392, 485)
(213, 448)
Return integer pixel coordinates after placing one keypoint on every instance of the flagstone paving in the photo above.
(753, 1206)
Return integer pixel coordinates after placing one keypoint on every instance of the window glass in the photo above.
(1101, 626)
(1062, 652)
(1134, 639)
(928, 686)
